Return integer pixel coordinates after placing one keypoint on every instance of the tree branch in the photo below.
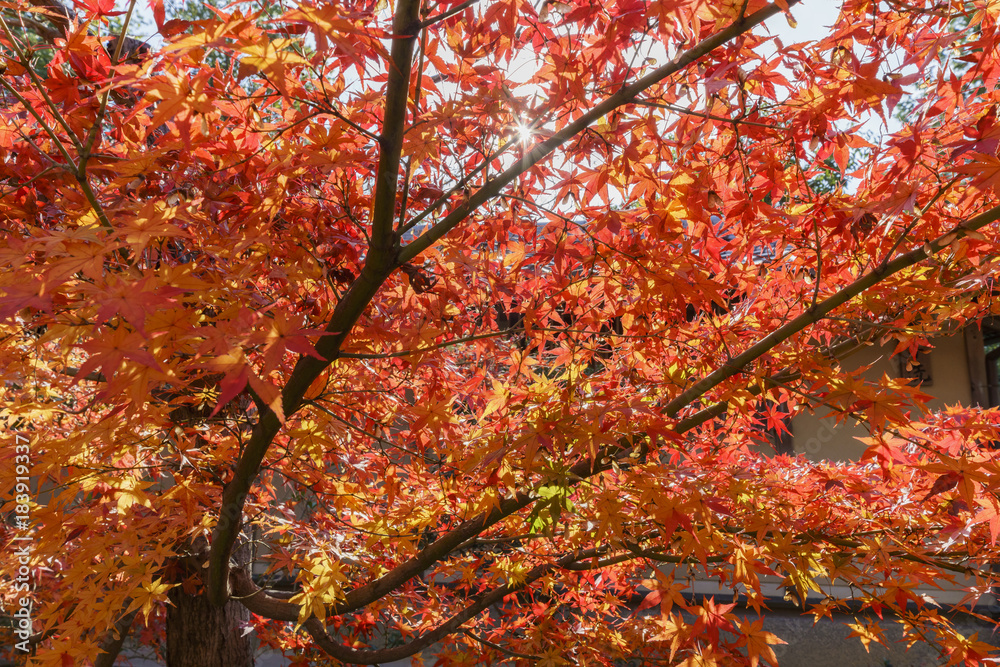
(405, 26)
(690, 112)
(23, 60)
(480, 603)
(267, 605)
(381, 262)
(56, 12)
(261, 602)
(95, 129)
(498, 648)
(818, 312)
(437, 18)
(112, 643)
(92, 376)
(429, 348)
(542, 149)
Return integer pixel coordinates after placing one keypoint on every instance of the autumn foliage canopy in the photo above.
(470, 320)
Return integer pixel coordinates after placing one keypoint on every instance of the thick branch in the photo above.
(381, 261)
(823, 308)
(379, 265)
(479, 604)
(111, 646)
(306, 370)
(56, 12)
(361, 292)
(542, 149)
(263, 603)
(405, 26)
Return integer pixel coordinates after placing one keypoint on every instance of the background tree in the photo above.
(469, 320)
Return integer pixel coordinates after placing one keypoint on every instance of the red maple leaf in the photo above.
(98, 8)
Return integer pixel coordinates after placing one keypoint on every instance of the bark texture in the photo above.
(202, 635)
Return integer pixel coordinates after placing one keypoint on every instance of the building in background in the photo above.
(958, 369)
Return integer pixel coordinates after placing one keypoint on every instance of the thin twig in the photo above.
(500, 649)
(426, 23)
(919, 216)
(708, 116)
(430, 348)
(95, 129)
(22, 59)
(819, 266)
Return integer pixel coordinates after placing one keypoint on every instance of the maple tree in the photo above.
(471, 318)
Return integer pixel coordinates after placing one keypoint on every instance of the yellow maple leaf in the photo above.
(148, 594)
(867, 633)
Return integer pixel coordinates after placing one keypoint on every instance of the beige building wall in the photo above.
(818, 436)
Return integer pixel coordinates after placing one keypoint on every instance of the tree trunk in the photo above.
(201, 635)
